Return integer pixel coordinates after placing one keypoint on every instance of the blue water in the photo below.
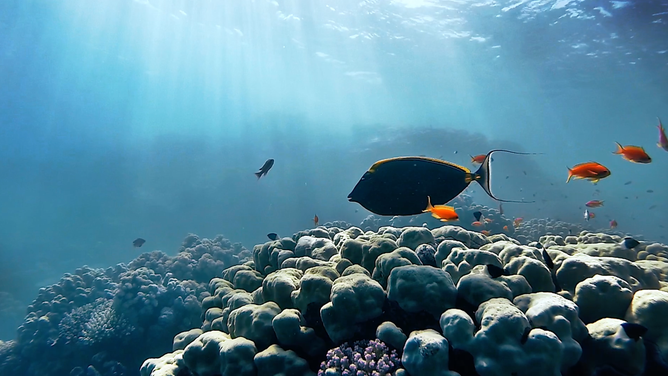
(122, 119)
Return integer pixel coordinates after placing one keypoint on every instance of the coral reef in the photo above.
(543, 298)
(445, 301)
(107, 321)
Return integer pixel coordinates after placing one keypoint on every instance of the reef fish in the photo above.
(663, 140)
(594, 203)
(517, 221)
(138, 242)
(477, 215)
(632, 153)
(265, 168)
(496, 271)
(634, 331)
(478, 159)
(316, 220)
(592, 171)
(588, 215)
(400, 186)
(613, 224)
(442, 212)
(628, 242)
(272, 236)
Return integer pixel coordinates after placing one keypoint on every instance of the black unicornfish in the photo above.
(265, 168)
(400, 186)
(477, 215)
(138, 242)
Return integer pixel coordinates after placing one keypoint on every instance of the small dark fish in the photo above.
(138, 242)
(500, 208)
(634, 331)
(477, 215)
(628, 182)
(652, 207)
(400, 186)
(265, 168)
(507, 176)
(495, 271)
(272, 236)
(650, 191)
(524, 172)
(525, 336)
(548, 260)
(630, 243)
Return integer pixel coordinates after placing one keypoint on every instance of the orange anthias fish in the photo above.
(632, 153)
(517, 222)
(663, 140)
(443, 212)
(485, 232)
(477, 224)
(613, 224)
(316, 220)
(594, 203)
(592, 171)
(478, 159)
(505, 228)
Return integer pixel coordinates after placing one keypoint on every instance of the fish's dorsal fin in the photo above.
(424, 159)
(620, 148)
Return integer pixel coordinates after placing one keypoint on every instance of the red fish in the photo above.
(443, 212)
(477, 224)
(478, 159)
(592, 171)
(632, 153)
(485, 232)
(316, 220)
(517, 222)
(505, 228)
(613, 224)
(594, 203)
(663, 140)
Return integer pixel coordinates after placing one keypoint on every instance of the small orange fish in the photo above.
(487, 220)
(594, 203)
(316, 220)
(443, 212)
(517, 221)
(485, 232)
(592, 171)
(613, 224)
(632, 153)
(505, 228)
(478, 159)
(477, 224)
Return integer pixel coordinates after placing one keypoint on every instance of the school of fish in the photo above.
(591, 171)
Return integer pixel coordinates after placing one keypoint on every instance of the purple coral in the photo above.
(372, 358)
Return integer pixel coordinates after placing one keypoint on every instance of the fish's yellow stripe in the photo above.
(424, 159)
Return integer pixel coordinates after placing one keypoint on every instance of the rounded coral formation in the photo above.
(385, 300)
